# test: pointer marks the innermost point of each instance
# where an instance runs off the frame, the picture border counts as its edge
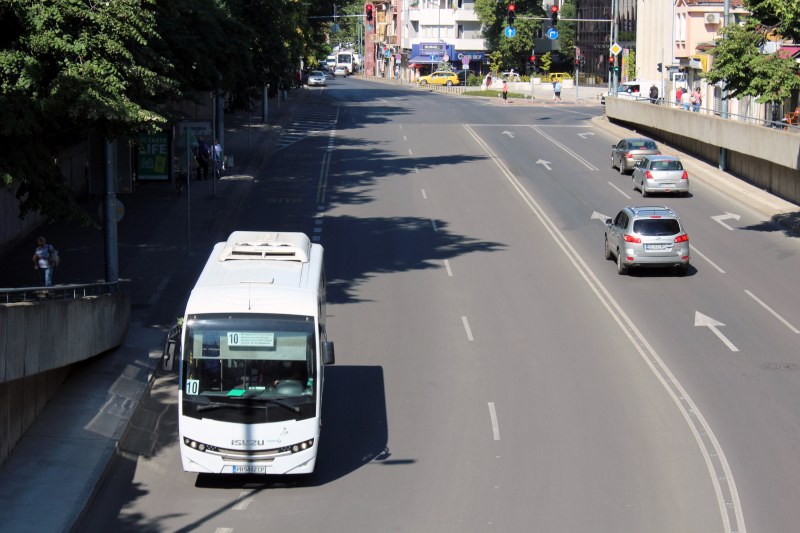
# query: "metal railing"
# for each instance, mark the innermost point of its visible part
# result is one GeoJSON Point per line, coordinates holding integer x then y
{"type": "Point", "coordinates": [56, 292]}
{"type": "Point", "coordinates": [748, 119]}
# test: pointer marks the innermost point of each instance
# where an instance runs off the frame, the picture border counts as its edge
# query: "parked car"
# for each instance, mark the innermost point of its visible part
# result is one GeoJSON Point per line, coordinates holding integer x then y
{"type": "Point", "coordinates": [440, 77]}
{"type": "Point", "coordinates": [510, 77]}
{"type": "Point", "coordinates": [660, 173]}
{"type": "Point", "coordinates": [647, 236]}
{"type": "Point", "coordinates": [627, 152]}
{"type": "Point", "coordinates": [463, 75]}
{"type": "Point", "coordinates": [317, 79]}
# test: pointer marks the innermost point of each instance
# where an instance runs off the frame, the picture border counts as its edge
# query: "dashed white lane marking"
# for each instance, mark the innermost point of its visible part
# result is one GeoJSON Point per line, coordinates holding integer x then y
{"type": "Point", "coordinates": [495, 425]}
{"type": "Point", "coordinates": [701, 254]}
{"type": "Point", "coordinates": [244, 499]}
{"type": "Point", "coordinates": [447, 267]}
{"type": "Point", "coordinates": [435, 227]}
{"type": "Point", "coordinates": [424, 195]}
{"type": "Point", "coordinates": [405, 138]}
{"type": "Point", "coordinates": [466, 327]}
{"type": "Point", "coordinates": [623, 193]}
{"type": "Point", "coordinates": [416, 170]}
{"type": "Point", "coordinates": [773, 312]}
{"type": "Point", "coordinates": [410, 152]}
{"type": "Point", "coordinates": [224, 530]}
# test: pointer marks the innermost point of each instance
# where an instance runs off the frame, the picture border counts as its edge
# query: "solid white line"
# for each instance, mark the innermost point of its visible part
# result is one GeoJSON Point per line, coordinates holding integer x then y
{"type": "Point", "coordinates": [701, 254]}
{"type": "Point", "coordinates": [424, 195]}
{"type": "Point", "coordinates": [731, 512]}
{"type": "Point", "coordinates": [495, 425]}
{"type": "Point", "coordinates": [224, 530]}
{"type": "Point", "coordinates": [244, 499]}
{"type": "Point", "coordinates": [623, 193]}
{"type": "Point", "coordinates": [466, 327]}
{"type": "Point", "coordinates": [775, 314]}
{"type": "Point", "coordinates": [577, 157]}
{"type": "Point", "coordinates": [410, 152]}
{"type": "Point", "coordinates": [447, 267]}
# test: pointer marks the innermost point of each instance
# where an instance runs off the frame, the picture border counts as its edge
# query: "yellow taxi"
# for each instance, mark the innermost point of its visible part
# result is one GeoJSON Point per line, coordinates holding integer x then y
{"type": "Point", "coordinates": [440, 77]}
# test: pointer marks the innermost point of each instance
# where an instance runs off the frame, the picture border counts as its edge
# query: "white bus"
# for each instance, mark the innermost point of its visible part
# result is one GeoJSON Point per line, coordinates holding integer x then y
{"type": "Point", "coordinates": [346, 59]}
{"type": "Point", "coordinates": [252, 356]}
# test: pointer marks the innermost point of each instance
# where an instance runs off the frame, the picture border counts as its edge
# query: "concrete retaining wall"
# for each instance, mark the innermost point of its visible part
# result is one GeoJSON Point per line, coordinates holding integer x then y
{"type": "Point", "coordinates": [765, 157]}
{"type": "Point", "coordinates": [33, 364]}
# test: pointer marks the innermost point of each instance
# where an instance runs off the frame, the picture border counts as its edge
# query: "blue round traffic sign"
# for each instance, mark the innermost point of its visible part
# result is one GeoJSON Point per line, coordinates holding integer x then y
{"type": "Point", "coordinates": [511, 31]}
{"type": "Point", "coordinates": [552, 34]}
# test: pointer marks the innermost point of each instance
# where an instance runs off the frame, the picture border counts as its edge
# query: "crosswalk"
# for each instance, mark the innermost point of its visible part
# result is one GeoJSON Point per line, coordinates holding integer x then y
{"type": "Point", "coordinates": [306, 123]}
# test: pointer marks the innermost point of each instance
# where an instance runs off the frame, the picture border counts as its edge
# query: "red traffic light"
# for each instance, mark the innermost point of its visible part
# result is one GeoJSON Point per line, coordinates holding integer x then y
{"type": "Point", "coordinates": [611, 59]}
{"type": "Point", "coordinates": [369, 12]}
{"type": "Point", "coordinates": [554, 9]}
{"type": "Point", "coordinates": [511, 7]}
{"type": "Point", "coordinates": [533, 59]}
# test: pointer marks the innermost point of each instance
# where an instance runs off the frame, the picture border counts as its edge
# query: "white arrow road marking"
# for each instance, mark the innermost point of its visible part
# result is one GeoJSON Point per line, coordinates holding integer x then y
{"type": "Point", "coordinates": [544, 163]}
{"type": "Point", "coordinates": [600, 216]}
{"type": "Point", "coordinates": [584, 135]}
{"type": "Point", "coordinates": [720, 218]}
{"type": "Point", "coordinates": [509, 134]}
{"type": "Point", "coordinates": [775, 314]}
{"type": "Point", "coordinates": [706, 321]}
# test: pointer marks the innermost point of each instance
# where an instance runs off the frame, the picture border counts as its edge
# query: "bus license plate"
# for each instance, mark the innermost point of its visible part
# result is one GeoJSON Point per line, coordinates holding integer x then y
{"type": "Point", "coordinates": [249, 469]}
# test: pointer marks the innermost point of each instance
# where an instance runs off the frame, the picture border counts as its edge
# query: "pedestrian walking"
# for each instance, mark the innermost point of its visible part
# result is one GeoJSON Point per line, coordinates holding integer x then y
{"type": "Point", "coordinates": [488, 81]}
{"type": "Point", "coordinates": [201, 154]}
{"type": "Point", "coordinates": [686, 100]}
{"type": "Point", "coordinates": [653, 94]}
{"type": "Point", "coordinates": [697, 100]}
{"type": "Point", "coordinates": [216, 158]}
{"type": "Point", "coordinates": [556, 91]}
{"type": "Point", "coordinates": [505, 92]}
{"type": "Point", "coordinates": [678, 94]}
{"type": "Point", "coordinates": [45, 259]}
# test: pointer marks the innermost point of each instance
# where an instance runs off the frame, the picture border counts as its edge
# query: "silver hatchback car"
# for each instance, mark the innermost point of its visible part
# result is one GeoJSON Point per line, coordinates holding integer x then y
{"type": "Point", "coordinates": [317, 78]}
{"type": "Point", "coordinates": [660, 173]}
{"type": "Point", "coordinates": [647, 236]}
{"type": "Point", "coordinates": [627, 152]}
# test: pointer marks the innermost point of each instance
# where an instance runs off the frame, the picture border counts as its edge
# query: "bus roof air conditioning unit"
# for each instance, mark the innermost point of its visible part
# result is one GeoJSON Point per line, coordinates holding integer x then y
{"type": "Point", "coordinates": [712, 18]}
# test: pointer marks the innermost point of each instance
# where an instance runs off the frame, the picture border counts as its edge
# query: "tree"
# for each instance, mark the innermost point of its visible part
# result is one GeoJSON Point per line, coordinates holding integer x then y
{"type": "Point", "coordinates": [739, 60]}
{"type": "Point", "coordinates": [567, 31]}
{"type": "Point", "coordinates": [630, 65]}
{"type": "Point", "coordinates": [493, 17]}
{"type": "Point", "coordinates": [67, 68]}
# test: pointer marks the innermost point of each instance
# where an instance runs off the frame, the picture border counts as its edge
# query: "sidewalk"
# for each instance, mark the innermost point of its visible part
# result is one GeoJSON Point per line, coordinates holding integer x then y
{"type": "Point", "coordinates": [61, 460]}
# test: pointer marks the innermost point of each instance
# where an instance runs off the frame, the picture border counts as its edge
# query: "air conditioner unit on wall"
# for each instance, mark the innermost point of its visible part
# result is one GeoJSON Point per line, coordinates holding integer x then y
{"type": "Point", "coordinates": [712, 18]}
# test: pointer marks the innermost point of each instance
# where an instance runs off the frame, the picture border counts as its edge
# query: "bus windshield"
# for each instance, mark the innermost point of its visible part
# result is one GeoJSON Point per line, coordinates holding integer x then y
{"type": "Point", "coordinates": [249, 368]}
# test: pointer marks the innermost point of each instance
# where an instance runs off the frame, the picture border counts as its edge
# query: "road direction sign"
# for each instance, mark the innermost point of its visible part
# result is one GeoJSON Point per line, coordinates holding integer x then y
{"type": "Point", "coordinates": [511, 31]}
{"type": "Point", "coordinates": [552, 34]}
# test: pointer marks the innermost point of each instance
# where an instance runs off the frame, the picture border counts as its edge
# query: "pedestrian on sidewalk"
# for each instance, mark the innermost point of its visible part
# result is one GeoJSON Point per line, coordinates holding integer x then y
{"type": "Point", "coordinates": [653, 94]}
{"type": "Point", "coordinates": [678, 94]}
{"type": "Point", "coordinates": [216, 158]}
{"type": "Point", "coordinates": [505, 92]}
{"type": "Point", "coordinates": [45, 259]}
{"type": "Point", "coordinates": [556, 91]}
{"type": "Point", "coordinates": [686, 100]}
{"type": "Point", "coordinates": [201, 154]}
{"type": "Point", "coordinates": [697, 100]}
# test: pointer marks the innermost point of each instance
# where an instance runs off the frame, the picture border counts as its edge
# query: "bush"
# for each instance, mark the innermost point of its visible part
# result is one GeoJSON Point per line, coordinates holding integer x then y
{"type": "Point", "coordinates": [474, 80]}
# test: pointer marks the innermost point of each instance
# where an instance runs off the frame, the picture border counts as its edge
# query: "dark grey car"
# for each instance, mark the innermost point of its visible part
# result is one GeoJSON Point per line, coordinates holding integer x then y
{"type": "Point", "coordinates": [647, 236]}
{"type": "Point", "coordinates": [627, 152]}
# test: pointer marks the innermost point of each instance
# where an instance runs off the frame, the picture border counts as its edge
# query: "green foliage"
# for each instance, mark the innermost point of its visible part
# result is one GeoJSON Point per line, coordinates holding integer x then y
{"type": "Point", "coordinates": [73, 67]}
{"type": "Point", "coordinates": [778, 16]}
{"type": "Point", "coordinates": [546, 63]}
{"type": "Point", "coordinates": [739, 63]}
{"type": "Point", "coordinates": [567, 31]}
{"type": "Point", "coordinates": [630, 65]}
{"type": "Point", "coordinates": [495, 61]}
{"type": "Point", "coordinates": [514, 52]}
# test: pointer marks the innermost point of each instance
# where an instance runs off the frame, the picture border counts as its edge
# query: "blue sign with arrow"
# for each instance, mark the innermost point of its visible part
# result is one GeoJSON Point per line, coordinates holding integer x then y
{"type": "Point", "coordinates": [510, 32]}
{"type": "Point", "coordinates": [552, 34]}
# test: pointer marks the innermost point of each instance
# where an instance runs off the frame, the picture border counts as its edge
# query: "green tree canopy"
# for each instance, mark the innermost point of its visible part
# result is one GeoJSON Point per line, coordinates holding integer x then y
{"type": "Point", "coordinates": [739, 60]}
{"type": "Point", "coordinates": [493, 16]}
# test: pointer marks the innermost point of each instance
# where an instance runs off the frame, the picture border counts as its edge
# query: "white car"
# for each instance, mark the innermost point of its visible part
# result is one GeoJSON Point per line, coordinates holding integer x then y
{"type": "Point", "coordinates": [341, 71]}
{"type": "Point", "coordinates": [317, 79]}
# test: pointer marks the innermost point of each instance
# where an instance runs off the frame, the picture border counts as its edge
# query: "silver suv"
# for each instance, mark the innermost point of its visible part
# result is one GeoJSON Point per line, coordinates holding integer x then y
{"type": "Point", "coordinates": [647, 236]}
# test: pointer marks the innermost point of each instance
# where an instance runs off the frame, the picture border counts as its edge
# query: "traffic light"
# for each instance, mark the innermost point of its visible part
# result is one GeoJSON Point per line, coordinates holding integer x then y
{"type": "Point", "coordinates": [582, 62]}
{"type": "Point", "coordinates": [554, 15]}
{"type": "Point", "coordinates": [659, 67]}
{"type": "Point", "coordinates": [369, 12]}
{"type": "Point", "coordinates": [611, 63]}
{"type": "Point", "coordinates": [511, 13]}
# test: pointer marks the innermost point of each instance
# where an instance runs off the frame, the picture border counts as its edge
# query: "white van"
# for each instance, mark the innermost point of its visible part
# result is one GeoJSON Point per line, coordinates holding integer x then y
{"type": "Point", "coordinates": [634, 89]}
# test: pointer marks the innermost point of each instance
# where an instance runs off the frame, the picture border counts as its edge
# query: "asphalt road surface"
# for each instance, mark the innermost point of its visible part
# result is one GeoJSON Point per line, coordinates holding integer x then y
{"type": "Point", "coordinates": [494, 373]}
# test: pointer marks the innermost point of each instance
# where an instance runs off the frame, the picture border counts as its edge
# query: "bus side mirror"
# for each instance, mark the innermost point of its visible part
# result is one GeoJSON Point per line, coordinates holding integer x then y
{"type": "Point", "coordinates": [328, 356]}
{"type": "Point", "coordinates": [172, 348]}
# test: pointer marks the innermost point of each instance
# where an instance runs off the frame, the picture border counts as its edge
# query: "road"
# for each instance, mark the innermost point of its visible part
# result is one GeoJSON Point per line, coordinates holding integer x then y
{"type": "Point", "coordinates": [494, 373]}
